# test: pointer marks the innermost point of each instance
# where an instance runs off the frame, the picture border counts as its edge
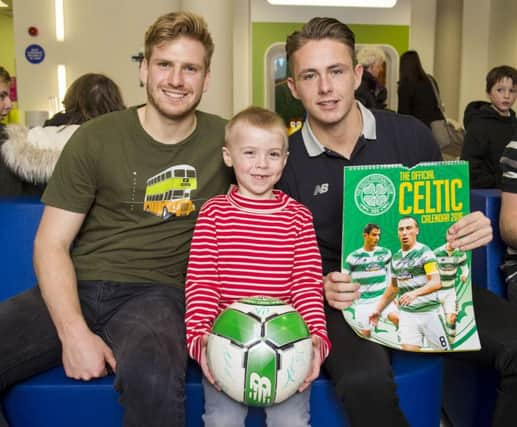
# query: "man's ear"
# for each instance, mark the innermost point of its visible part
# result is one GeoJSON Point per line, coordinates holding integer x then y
{"type": "Point", "coordinates": [206, 81]}
{"type": "Point", "coordinates": [291, 84]}
{"type": "Point", "coordinates": [144, 70]}
{"type": "Point", "coordinates": [358, 72]}
{"type": "Point", "coordinates": [227, 158]}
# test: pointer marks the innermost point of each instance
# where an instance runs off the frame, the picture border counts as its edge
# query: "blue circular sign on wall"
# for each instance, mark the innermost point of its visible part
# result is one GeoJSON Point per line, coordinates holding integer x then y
{"type": "Point", "coordinates": [34, 53]}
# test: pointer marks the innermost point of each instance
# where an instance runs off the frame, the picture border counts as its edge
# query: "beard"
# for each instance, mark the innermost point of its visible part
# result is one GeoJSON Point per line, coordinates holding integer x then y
{"type": "Point", "coordinates": [177, 115]}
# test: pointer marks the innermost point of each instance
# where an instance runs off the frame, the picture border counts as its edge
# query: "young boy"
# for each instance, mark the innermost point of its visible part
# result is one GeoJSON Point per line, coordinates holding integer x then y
{"type": "Point", "coordinates": [255, 240]}
{"type": "Point", "coordinates": [489, 127]}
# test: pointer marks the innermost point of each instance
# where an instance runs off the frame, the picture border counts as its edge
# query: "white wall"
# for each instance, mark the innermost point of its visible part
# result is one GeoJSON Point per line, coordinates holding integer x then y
{"type": "Point", "coordinates": [503, 33]}
{"type": "Point", "coordinates": [421, 31]}
{"type": "Point", "coordinates": [242, 55]}
{"type": "Point", "coordinates": [447, 64]}
{"type": "Point", "coordinates": [101, 36]}
{"type": "Point", "coordinates": [474, 55]}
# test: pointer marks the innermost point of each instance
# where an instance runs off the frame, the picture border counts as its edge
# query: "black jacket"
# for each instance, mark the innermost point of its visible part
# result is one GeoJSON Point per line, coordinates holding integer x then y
{"type": "Point", "coordinates": [418, 99]}
{"type": "Point", "coordinates": [487, 133]}
{"type": "Point", "coordinates": [371, 93]}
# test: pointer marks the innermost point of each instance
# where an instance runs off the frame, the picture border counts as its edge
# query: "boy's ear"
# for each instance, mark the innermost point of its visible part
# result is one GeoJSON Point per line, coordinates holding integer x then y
{"type": "Point", "coordinates": [227, 159]}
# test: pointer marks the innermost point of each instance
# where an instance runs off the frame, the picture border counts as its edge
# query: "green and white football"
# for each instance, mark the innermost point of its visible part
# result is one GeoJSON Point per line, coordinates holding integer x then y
{"type": "Point", "coordinates": [259, 351]}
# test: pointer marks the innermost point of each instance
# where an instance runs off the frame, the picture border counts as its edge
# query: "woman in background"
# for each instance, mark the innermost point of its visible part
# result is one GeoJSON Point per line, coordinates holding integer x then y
{"type": "Point", "coordinates": [28, 156]}
{"type": "Point", "coordinates": [415, 91]}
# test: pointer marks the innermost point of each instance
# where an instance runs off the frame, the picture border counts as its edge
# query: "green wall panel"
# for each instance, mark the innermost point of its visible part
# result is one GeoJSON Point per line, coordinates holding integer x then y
{"type": "Point", "coordinates": [264, 34]}
{"type": "Point", "coordinates": [7, 43]}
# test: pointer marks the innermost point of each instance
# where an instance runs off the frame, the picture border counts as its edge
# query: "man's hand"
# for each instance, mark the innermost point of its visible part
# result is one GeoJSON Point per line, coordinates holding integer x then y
{"type": "Point", "coordinates": [85, 356]}
{"type": "Point", "coordinates": [315, 364]}
{"type": "Point", "coordinates": [470, 232]}
{"type": "Point", "coordinates": [373, 318]}
{"type": "Point", "coordinates": [339, 290]}
{"type": "Point", "coordinates": [407, 298]}
{"type": "Point", "coordinates": [204, 363]}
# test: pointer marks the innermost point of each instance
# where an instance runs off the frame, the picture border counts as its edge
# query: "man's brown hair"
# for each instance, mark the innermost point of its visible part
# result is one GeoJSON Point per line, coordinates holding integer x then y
{"type": "Point", "coordinates": [174, 25]}
{"type": "Point", "coordinates": [319, 29]}
{"type": "Point", "coordinates": [4, 76]}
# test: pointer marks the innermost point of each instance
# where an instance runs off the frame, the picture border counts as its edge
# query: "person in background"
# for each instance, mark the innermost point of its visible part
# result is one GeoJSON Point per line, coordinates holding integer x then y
{"type": "Point", "coordinates": [28, 156]}
{"type": "Point", "coordinates": [340, 131]}
{"type": "Point", "coordinates": [372, 92]}
{"type": "Point", "coordinates": [415, 90]}
{"type": "Point", "coordinates": [109, 258]}
{"type": "Point", "coordinates": [89, 96]}
{"type": "Point", "coordinates": [489, 127]}
{"type": "Point", "coordinates": [5, 100]}
{"type": "Point", "coordinates": [267, 228]}
{"type": "Point", "coordinates": [508, 217]}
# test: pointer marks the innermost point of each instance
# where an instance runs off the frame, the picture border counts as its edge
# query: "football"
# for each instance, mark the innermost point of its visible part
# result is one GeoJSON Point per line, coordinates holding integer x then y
{"type": "Point", "coordinates": [259, 351]}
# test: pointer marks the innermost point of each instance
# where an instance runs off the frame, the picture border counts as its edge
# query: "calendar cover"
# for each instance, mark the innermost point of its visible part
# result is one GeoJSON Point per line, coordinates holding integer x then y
{"type": "Point", "coordinates": [415, 289]}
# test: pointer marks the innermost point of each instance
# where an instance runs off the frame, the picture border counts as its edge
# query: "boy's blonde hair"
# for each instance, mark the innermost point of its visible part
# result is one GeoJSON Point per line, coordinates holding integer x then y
{"type": "Point", "coordinates": [260, 118]}
{"type": "Point", "coordinates": [174, 25]}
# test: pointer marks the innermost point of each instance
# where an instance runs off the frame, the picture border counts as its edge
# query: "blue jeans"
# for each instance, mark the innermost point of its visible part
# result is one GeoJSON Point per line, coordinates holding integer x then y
{"type": "Point", "coordinates": [223, 411]}
{"type": "Point", "coordinates": [142, 323]}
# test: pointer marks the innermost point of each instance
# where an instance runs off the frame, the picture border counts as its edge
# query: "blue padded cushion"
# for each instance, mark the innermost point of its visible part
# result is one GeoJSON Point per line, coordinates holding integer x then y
{"type": "Point", "coordinates": [53, 400]}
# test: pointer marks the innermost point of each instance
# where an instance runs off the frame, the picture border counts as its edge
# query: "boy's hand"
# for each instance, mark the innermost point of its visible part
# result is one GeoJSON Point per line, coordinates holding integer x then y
{"type": "Point", "coordinates": [315, 364]}
{"type": "Point", "coordinates": [204, 363]}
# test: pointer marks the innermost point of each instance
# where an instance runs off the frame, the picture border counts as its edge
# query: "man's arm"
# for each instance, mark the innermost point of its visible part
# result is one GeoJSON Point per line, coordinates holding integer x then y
{"type": "Point", "coordinates": [389, 295]}
{"type": "Point", "coordinates": [508, 219]}
{"type": "Point", "coordinates": [84, 353]}
{"type": "Point", "coordinates": [432, 285]}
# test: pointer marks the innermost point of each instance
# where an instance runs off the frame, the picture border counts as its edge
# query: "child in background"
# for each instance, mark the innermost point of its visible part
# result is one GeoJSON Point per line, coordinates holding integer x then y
{"type": "Point", "coordinates": [5, 100]}
{"type": "Point", "coordinates": [255, 240]}
{"type": "Point", "coordinates": [489, 127]}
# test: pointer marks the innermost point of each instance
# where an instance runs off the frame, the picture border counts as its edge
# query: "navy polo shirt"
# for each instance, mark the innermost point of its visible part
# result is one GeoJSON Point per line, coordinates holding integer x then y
{"type": "Point", "coordinates": [313, 174]}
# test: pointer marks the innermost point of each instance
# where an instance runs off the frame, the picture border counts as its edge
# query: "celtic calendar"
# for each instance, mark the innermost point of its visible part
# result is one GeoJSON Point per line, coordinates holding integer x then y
{"type": "Point", "coordinates": [415, 286]}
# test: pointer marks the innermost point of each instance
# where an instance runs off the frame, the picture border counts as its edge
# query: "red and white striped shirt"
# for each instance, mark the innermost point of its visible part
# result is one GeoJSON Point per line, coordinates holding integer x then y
{"type": "Point", "coordinates": [244, 247]}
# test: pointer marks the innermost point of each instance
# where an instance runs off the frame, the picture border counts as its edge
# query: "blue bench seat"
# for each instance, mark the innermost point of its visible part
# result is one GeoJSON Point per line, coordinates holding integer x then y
{"type": "Point", "coordinates": [51, 399]}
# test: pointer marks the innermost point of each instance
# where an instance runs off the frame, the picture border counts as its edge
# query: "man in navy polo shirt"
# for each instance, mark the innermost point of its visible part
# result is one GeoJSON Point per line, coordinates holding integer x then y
{"type": "Point", "coordinates": [339, 131]}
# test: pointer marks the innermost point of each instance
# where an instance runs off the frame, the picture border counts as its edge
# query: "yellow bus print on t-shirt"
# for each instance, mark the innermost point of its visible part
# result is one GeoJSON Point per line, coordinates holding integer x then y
{"type": "Point", "coordinates": [168, 192]}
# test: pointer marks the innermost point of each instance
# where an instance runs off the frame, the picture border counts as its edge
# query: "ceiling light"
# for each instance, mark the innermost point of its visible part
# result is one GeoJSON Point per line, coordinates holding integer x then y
{"type": "Point", "coordinates": [342, 3]}
{"type": "Point", "coordinates": [2, 4]}
{"type": "Point", "coordinates": [60, 20]}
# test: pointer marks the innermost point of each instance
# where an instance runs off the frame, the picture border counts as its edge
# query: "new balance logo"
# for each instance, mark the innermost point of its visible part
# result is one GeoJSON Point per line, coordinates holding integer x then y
{"type": "Point", "coordinates": [321, 189]}
{"type": "Point", "coordinates": [260, 388]}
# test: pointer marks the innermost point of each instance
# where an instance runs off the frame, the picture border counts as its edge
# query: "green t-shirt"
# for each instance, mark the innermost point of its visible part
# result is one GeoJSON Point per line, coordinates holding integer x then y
{"type": "Point", "coordinates": [141, 197]}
